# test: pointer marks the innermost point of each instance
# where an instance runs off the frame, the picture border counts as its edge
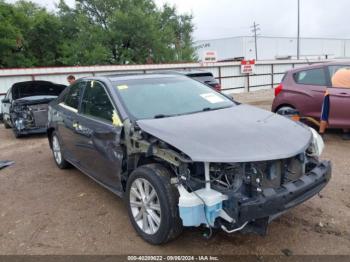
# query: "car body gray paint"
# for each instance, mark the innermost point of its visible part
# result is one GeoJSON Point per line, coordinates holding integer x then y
{"type": "Point", "coordinates": [237, 134]}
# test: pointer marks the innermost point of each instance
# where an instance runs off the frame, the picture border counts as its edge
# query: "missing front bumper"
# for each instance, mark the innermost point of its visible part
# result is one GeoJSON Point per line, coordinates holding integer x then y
{"type": "Point", "coordinates": [271, 203]}
{"type": "Point", "coordinates": [274, 201]}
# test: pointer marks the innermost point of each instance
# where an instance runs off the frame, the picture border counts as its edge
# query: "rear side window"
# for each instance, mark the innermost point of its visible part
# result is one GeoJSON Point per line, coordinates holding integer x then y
{"type": "Point", "coordinates": [73, 95]}
{"type": "Point", "coordinates": [311, 77]}
{"type": "Point", "coordinates": [96, 102]}
{"type": "Point", "coordinates": [62, 97]}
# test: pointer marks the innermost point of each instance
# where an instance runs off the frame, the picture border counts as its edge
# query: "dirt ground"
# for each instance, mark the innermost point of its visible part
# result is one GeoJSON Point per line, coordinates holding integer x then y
{"type": "Point", "coordinates": [44, 210]}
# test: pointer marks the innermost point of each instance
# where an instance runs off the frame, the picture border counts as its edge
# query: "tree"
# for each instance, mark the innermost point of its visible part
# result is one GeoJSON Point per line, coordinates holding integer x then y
{"type": "Point", "coordinates": [82, 43]}
{"type": "Point", "coordinates": [135, 30]}
{"type": "Point", "coordinates": [94, 32]}
{"type": "Point", "coordinates": [11, 38]}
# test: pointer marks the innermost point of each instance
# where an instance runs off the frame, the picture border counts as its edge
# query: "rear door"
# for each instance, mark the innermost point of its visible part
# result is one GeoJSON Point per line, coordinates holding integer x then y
{"type": "Point", "coordinates": [100, 151]}
{"type": "Point", "coordinates": [69, 115]}
{"type": "Point", "coordinates": [339, 116]}
{"type": "Point", "coordinates": [311, 85]}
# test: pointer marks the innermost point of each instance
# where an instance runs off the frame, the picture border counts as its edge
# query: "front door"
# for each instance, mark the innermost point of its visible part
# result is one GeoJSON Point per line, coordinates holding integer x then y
{"type": "Point", "coordinates": [101, 154]}
{"type": "Point", "coordinates": [339, 115]}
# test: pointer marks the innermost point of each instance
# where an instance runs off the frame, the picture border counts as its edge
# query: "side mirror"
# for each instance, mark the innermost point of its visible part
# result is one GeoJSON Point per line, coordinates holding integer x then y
{"type": "Point", "coordinates": [5, 101]}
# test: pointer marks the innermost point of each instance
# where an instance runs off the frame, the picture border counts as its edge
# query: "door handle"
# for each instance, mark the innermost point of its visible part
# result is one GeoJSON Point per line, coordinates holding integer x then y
{"type": "Point", "coordinates": [82, 130]}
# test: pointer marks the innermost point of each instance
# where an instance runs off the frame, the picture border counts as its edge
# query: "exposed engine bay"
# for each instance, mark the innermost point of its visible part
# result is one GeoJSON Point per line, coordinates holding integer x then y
{"type": "Point", "coordinates": [244, 196]}
{"type": "Point", "coordinates": [28, 111]}
{"type": "Point", "coordinates": [30, 116]}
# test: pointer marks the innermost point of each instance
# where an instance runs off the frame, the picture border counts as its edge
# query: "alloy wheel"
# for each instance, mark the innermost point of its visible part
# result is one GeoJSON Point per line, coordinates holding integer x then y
{"type": "Point", "coordinates": [145, 206]}
{"type": "Point", "coordinates": [56, 150]}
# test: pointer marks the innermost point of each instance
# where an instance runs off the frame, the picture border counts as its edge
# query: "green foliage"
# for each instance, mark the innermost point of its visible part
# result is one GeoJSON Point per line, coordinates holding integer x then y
{"type": "Point", "coordinates": [94, 32]}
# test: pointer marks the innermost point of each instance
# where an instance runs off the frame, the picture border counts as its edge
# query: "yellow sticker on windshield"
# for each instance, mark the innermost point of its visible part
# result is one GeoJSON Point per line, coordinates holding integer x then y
{"type": "Point", "coordinates": [92, 84]}
{"type": "Point", "coordinates": [116, 120]}
{"type": "Point", "coordinates": [123, 87]}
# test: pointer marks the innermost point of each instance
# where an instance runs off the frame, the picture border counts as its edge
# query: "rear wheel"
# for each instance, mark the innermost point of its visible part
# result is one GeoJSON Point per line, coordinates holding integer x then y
{"type": "Point", "coordinates": [152, 204]}
{"type": "Point", "coordinates": [57, 152]}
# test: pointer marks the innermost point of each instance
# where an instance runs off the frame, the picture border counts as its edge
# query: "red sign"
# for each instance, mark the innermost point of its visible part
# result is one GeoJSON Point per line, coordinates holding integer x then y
{"type": "Point", "coordinates": [209, 57]}
{"type": "Point", "coordinates": [248, 66]}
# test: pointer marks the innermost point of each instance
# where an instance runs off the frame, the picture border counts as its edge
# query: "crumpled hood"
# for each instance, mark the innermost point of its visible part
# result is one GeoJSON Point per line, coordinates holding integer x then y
{"type": "Point", "coordinates": [238, 134]}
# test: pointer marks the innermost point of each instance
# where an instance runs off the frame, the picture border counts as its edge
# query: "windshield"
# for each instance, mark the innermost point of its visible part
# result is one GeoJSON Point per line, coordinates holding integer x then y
{"type": "Point", "coordinates": [168, 96]}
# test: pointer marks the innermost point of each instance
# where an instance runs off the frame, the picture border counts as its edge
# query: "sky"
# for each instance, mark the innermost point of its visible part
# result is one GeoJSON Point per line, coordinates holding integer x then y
{"type": "Point", "coordinates": [226, 18]}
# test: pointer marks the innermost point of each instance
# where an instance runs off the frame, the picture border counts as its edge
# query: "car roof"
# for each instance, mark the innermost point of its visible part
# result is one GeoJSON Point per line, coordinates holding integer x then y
{"type": "Point", "coordinates": [343, 62]}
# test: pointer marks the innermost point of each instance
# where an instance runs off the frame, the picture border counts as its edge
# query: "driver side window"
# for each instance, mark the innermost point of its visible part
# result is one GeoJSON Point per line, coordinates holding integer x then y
{"type": "Point", "coordinates": [96, 102]}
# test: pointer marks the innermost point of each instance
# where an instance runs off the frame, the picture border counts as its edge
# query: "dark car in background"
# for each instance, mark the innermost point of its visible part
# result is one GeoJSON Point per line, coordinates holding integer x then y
{"type": "Point", "coordinates": [25, 106]}
{"type": "Point", "coordinates": [303, 90]}
{"type": "Point", "coordinates": [182, 154]}
{"type": "Point", "coordinates": [204, 77]}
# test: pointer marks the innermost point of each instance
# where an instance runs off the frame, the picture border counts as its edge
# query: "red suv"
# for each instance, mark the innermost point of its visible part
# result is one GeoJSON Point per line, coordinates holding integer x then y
{"type": "Point", "coordinates": [303, 90]}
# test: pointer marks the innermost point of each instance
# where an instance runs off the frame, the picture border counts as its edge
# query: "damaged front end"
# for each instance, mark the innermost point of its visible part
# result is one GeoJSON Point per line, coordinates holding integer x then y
{"type": "Point", "coordinates": [244, 196]}
{"type": "Point", "coordinates": [247, 196]}
{"type": "Point", "coordinates": [29, 117]}
{"type": "Point", "coordinates": [29, 106]}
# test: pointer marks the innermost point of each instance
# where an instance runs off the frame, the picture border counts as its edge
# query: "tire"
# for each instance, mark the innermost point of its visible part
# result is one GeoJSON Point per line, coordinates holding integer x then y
{"type": "Point", "coordinates": [6, 125]}
{"type": "Point", "coordinates": [284, 109]}
{"type": "Point", "coordinates": [164, 203]}
{"type": "Point", "coordinates": [57, 152]}
{"type": "Point", "coordinates": [16, 133]}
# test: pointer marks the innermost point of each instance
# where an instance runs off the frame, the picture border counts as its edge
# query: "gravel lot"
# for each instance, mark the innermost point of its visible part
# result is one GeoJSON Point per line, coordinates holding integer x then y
{"type": "Point", "coordinates": [44, 210]}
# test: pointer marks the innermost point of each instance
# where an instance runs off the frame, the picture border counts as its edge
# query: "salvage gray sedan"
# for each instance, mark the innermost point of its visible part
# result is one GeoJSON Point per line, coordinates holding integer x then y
{"type": "Point", "coordinates": [181, 154]}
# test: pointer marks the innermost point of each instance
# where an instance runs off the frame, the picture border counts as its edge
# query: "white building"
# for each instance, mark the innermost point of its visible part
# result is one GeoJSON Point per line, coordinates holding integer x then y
{"type": "Point", "coordinates": [270, 48]}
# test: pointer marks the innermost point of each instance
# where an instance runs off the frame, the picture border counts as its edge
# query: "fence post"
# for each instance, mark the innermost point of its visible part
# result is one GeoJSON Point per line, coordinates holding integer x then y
{"type": "Point", "coordinates": [246, 83]}
{"type": "Point", "coordinates": [272, 76]}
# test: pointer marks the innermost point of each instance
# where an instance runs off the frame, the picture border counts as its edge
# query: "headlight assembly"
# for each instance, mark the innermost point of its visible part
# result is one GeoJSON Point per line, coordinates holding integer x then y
{"type": "Point", "coordinates": [317, 145]}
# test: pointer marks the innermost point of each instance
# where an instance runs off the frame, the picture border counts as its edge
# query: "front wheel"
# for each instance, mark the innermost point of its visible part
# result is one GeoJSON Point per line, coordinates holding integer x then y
{"type": "Point", "coordinates": [152, 204]}
{"type": "Point", "coordinates": [6, 125]}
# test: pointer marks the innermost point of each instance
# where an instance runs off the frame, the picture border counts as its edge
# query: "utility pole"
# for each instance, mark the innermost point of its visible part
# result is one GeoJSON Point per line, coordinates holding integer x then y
{"type": "Point", "coordinates": [255, 29]}
{"type": "Point", "coordinates": [298, 40]}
